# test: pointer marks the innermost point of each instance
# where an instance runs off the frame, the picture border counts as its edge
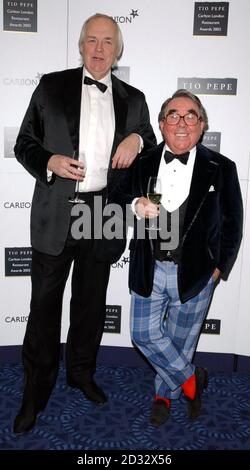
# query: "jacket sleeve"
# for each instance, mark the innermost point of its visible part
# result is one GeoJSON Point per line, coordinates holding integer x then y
{"type": "Point", "coordinates": [127, 186]}
{"type": "Point", "coordinates": [29, 149]}
{"type": "Point", "coordinates": [231, 218]}
{"type": "Point", "coordinates": [145, 128]}
{"type": "Point", "coordinates": [138, 119]}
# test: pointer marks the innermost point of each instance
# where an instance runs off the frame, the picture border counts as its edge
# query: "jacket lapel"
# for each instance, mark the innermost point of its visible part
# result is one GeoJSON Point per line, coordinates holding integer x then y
{"type": "Point", "coordinates": [72, 103]}
{"type": "Point", "coordinates": [203, 175]}
{"type": "Point", "coordinates": [149, 166]}
{"type": "Point", "coordinates": [120, 110]}
{"type": "Point", "coordinates": [72, 106]}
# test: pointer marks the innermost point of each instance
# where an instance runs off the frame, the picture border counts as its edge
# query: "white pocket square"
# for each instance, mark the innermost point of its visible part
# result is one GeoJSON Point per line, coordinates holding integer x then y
{"type": "Point", "coordinates": [211, 188]}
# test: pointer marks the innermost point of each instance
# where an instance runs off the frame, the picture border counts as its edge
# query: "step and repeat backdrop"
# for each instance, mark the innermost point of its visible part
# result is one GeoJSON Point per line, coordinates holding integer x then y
{"type": "Point", "coordinates": [169, 44]}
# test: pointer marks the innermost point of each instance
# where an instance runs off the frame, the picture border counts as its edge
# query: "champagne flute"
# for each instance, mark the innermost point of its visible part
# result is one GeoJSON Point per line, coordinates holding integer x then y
{"type": "Point", "coordinates": [76, 199]}
{"type": "Point", "coordinates": [154, 195]}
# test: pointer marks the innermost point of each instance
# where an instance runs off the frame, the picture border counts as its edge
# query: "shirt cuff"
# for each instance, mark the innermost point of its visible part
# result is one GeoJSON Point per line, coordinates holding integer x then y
{"type": "Point", "coordinates": [141, 145]}
{"type": "Point", "coordinates": [133, 203]}
{"type": "Point", "coordinates": [49, 175]}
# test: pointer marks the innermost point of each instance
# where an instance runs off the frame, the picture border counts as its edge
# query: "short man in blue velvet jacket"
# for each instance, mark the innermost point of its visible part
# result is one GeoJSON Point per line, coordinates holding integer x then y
{"type": "Point", "coordinates": [172, 285]}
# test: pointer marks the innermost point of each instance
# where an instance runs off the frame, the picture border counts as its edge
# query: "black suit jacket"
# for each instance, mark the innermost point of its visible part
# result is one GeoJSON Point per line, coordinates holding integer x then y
{"type": "Point", "coordinates": [212, 226]}
{"type": "Point", "coordinates": [51, 126]}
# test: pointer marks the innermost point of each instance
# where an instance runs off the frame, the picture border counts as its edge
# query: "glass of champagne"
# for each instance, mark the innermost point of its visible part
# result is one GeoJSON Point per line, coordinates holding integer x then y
{"type": "Point", "coordinates": [154, 196]}
{"type": "Point", "coordinates": [76, 199]}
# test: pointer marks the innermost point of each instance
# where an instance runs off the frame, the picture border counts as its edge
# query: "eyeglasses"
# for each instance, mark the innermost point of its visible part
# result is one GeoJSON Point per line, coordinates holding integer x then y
{"type": "Point", "coordinates": [191, 119]}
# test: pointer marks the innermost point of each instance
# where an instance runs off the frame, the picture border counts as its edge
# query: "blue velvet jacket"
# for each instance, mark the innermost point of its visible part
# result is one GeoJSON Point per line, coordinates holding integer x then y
{"type": "Point", "coordinates": [212, 229]}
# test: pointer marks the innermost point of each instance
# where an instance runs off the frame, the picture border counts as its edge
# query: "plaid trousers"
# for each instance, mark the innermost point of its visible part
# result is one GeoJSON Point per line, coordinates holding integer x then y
{"type": "Point", "coordinates": [167, 331]}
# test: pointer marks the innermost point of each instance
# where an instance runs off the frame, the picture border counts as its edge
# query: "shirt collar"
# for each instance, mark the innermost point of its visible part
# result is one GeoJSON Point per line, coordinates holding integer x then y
{"type": "Point", "coordinates": [106, 80]}
{"type": "Point", "coordinates": [192, 152]}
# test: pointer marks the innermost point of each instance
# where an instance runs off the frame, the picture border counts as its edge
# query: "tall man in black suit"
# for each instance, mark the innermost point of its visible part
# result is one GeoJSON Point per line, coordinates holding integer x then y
{"type": "Point", "coordinates": [90, 111]}
{"type": "Point", "coordinates": [172, 271]}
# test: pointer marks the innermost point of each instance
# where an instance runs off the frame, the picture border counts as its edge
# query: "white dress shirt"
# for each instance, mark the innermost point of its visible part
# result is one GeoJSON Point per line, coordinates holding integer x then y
{"type": "Point", "coordinates": [175, 180]}
{"type": "Point", "coordinates": [96, 133]}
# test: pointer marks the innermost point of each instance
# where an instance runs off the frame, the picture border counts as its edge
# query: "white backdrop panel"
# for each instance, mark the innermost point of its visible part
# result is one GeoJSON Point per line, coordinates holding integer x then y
{"type": "Point", "coordinates": [242, 341]}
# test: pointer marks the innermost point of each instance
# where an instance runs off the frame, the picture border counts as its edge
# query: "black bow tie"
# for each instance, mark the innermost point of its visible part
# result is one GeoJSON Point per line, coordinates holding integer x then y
{"type": "Point", "coordinates": [169, 156]}
{"type": "Point", "coordinates": [89, 81]}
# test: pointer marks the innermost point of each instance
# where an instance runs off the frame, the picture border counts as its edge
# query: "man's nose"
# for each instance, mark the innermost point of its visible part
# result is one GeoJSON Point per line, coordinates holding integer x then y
{"type": "Point", "coordinates": [99, 46]}
{"type": "Point", "coordinates": [182, 122]}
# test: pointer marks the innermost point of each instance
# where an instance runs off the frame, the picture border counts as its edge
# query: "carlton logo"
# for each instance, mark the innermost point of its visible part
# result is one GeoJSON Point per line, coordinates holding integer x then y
{"type": "Point", "coordinates": [25, 81]}
{"type": "Point", "coordinates": [17, 205]}
{"type": "Point", "coordinates": [17, 319]}
{"type": "Point", "coordinates": [121, 263]}
{"type": "Point", "coordinates": [126, 19]}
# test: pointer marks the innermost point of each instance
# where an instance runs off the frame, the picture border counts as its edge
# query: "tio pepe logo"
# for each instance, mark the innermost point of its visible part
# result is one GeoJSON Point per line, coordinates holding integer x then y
{"type": "Point", "coordinates": [209, 86]}
{"type": "Point", "coordinates": [211, 327]}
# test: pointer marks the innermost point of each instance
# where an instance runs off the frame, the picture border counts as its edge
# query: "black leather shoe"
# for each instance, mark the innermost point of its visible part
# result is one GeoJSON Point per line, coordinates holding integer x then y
{"type": "Point", "coordinates": [91, 391]}
{"type": "Point", "coordinates": [159, 414]}
{"type": "Point", "coordinates": [194, 406]}
{"type": "Point", "coordinates": [25, 420]}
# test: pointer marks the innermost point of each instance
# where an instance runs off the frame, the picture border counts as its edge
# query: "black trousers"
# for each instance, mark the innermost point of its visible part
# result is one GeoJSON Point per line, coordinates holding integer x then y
{"type": "Point", "coordinates": [41, 347]}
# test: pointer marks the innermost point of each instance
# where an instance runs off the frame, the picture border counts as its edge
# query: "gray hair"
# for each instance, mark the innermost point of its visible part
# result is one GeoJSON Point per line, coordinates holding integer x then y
{"type": "Point", "coordinates": [185, 94]}
{"type": "Point", "coordinates": [120, 43]}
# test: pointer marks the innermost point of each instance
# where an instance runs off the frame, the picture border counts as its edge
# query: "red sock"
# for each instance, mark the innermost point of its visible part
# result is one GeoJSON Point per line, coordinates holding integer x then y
{"type": "Point", "coordinates": [166, 400]}
{"type": "Point", "coordinates": [189, 387]}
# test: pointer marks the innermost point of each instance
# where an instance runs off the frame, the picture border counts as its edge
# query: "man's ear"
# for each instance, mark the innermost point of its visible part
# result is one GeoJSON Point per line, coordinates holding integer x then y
{"type": "Point", "coordinates": [202, 126]}
{"type": "Point", "coordinates": [161, 124]}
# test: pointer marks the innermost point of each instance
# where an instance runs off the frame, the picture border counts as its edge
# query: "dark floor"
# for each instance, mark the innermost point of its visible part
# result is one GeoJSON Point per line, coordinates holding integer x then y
{"type": "Point", "coordinates": [70, 422]}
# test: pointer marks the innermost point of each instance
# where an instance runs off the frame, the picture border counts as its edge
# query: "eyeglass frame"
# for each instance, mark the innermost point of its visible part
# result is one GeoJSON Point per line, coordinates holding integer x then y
{"type": "Point", "coordinates": [182, 117]}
